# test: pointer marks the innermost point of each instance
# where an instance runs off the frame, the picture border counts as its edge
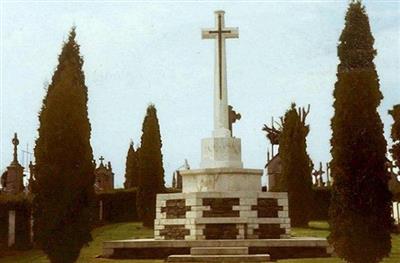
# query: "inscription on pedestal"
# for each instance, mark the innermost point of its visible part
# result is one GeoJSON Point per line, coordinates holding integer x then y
{"type": "Point", "coordinates": [174, 232]}
{"type": "Point", "coordinates": [220, 231]}
{"type": "Point", "coordinates": [267, 207]}
{"type": "Point", "coordinates": [272, 231]}
{"type": "Point", "coordinates": [175, 208]}
{"type": "Point", "coordinates": [221, 207]}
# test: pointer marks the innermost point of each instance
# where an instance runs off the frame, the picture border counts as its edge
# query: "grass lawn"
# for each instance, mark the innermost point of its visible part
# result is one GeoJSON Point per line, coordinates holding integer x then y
{"type": "Point", "coordinates": [89, 253]}
{"type": "Point", "coordinates": [321, 229]}
{"type": "Point", "coordinates": [135, 230]}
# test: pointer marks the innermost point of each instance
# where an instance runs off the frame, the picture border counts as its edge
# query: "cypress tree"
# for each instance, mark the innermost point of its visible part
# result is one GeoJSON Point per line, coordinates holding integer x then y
{"type": "Point", "coordinates": [296, 165]}
{"type": "Point", "coordinates": [395, 134]}
{"type": "Point", "coordinates": [63, 189]}
{"type": "Point", "coordinates": [394, 186]}
{"type": "Point", "coordinates": [361, 202]}
{"type": "Point", "coordinates": [132, 168]}
{"type": "Point", "coordinates": [151, 171]}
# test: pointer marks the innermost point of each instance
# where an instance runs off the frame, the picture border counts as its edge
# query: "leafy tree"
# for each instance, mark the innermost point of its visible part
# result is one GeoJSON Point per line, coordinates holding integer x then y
{"type": "Point", "coordinates": [361, 202]}
{"type": "Point", "coordinates": [151, 171]}
{"type": "Point", "coordinates": [296, 165]}
{"type": "Point", "coordinates": [63, 189]}
{"type": "Point", "coordinates": [132, 168]}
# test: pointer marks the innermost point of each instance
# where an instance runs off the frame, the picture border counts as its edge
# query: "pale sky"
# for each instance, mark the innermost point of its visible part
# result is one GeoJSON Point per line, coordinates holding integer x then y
{"type": "Point", "coordinates": [136, 53]}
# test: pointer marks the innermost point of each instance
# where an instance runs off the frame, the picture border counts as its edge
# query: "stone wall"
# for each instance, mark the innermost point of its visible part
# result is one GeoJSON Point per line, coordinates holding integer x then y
{"type": "Point", "coordinates": [222, 215]}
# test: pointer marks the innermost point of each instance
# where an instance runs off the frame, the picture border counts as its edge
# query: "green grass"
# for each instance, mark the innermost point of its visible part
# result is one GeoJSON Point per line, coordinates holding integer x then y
{"type": "Point", "coordinates": [315, 229]}
{"type": "Point", "coordinates": [89, 253]}
{"type": "Point", "coordinates": [321, 229]}
{"type": "Point", "coordinates": [135, 230]}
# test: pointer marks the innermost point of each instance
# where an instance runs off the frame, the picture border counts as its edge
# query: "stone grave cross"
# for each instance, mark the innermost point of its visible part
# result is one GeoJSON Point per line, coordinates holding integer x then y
{"type": "Point", "coordinates": [220, 33]}
{"type": "Point", "coordinates": [15, 142]}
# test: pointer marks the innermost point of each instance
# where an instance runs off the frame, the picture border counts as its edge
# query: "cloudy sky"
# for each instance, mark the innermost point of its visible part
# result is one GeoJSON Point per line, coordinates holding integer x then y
{"type": "Point", "coordinates": [138, 53]}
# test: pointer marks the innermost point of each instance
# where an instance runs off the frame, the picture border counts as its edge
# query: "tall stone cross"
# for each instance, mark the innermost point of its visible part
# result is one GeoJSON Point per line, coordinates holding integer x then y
{"type": "Point", "coordinates": [220, 33]}
{"type": "Point", "coordinates": [15, 142]}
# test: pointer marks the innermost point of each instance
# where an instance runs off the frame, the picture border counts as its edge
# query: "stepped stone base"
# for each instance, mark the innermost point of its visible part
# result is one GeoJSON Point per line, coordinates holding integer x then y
{"type": "Point", "coordinates": [219, 251]}
{"type": "Point", "coordinates": [219, 258]}
{"type": "Point", "coordinates": [222, 215]}
{"type": "Point", "coordinates": [219, 254]}
{"type": "Point", "coordinates": [161, 249]}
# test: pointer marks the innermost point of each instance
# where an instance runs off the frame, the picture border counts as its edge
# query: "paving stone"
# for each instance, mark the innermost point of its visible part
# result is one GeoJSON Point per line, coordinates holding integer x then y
{"type": "Point", "coordinates": [219, 258]}
{"type": "Point", "coordinates": [219, 251]}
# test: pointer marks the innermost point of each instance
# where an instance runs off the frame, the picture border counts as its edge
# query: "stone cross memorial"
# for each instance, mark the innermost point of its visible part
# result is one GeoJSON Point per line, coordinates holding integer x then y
{"type": "Point", "coordinates": [222, 215]}
{"type": "Point", "coordinates": [220, 33]}
{"type": "Point", "coordinates": [221, 200]}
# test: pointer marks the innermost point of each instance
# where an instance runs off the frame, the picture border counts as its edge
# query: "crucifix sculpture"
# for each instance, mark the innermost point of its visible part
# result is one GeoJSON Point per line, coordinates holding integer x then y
{"type": "Point", "coordinates": [220, 33]}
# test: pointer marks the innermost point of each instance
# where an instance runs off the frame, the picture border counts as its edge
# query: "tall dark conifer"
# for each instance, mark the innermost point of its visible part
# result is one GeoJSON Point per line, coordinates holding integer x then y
{"type": "Point", "coordinates": [296, 165]}
{"type": "Point", "coordinates": [395, 134]}
{"type": "Point", "coordinates": [394, 186]}
{"type": "Point", "coordinates": [64, 170]}
{"type": "Point", "coordinates": [361, 202]}
{"type": "Point", "coordinates": [151, 171]}
{"type": "Point", "coordinates": [132, 168]}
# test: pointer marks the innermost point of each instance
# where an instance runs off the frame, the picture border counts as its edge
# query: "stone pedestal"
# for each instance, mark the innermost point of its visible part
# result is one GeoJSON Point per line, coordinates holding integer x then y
{"type": "Point", "coordinates": [14, 179]}
{"type": "Point", "coordinates": [221, 180]}
{"type": "Point", "coordinates": [222, 215]}
{"type": "Point", "coordinates": [220, 152]}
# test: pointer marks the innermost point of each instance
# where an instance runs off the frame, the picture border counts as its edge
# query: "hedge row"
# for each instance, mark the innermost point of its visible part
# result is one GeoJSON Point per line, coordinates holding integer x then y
{"type": "Point", "coordinates": [118, 205]}
{"type": "Point", "coordinates": [321, 202]}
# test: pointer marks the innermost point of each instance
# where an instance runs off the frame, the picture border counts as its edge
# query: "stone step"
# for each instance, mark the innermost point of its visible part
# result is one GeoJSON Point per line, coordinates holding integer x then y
{"type": "Point", "coordinates": [219, 258]}
{"type": "Point", "coordinates": [219, 251]}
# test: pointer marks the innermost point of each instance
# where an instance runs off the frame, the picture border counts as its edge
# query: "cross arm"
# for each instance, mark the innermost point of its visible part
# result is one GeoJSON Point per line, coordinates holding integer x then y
{"type": "Point", "coordinates": [229, 32]}
{"type": "Point", "coordinates": [207, 33]}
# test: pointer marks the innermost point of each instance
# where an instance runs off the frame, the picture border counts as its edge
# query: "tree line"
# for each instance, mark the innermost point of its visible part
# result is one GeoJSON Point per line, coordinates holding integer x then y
{"type": "Point", "coordinates": [361, 203]}
{"type": "Point", "coordinates": [64, 178]}
{"type": "Point", "coordinates": [360, 217]}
